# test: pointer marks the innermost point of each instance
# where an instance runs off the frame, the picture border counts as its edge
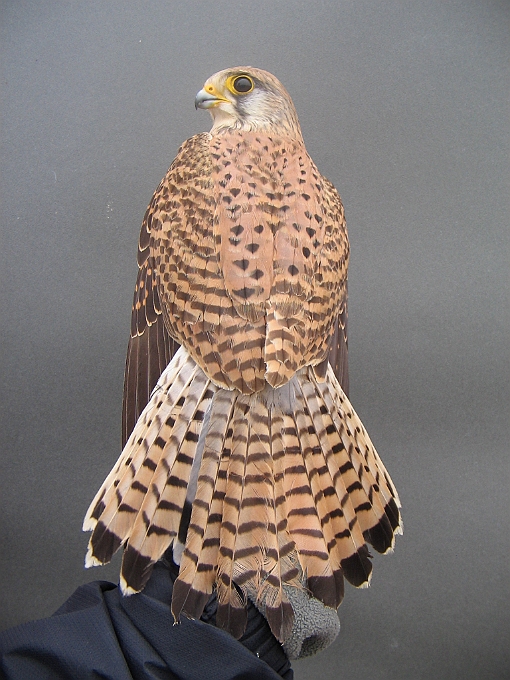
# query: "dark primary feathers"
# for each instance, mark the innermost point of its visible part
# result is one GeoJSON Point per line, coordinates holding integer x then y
{"type": "Point", "coordinates": [248, 452]}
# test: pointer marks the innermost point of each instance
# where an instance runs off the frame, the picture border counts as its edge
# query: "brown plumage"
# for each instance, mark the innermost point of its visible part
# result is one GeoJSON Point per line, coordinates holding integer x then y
{"type": "Point", "coordinates": [248, 452]}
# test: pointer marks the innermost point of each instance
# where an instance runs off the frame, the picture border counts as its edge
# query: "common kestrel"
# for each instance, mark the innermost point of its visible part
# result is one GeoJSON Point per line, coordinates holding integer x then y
{"type": "Point", "coordinates": [243, 451]}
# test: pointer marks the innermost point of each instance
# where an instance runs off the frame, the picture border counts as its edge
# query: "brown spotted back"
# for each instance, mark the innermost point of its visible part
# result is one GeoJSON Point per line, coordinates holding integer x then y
{"type": "Point", "coordinates": [265, 202]}
{"type": "Point", "coordinates": [253, 280]}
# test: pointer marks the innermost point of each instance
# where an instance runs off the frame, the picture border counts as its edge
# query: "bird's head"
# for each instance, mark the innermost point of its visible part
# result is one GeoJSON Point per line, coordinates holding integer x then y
{"type": "Point", "coordinates": [246, 98]}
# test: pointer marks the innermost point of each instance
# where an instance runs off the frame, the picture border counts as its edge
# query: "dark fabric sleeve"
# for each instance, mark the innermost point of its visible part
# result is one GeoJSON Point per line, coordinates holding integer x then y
{"type": "Point", "coordinates": [98, 633]}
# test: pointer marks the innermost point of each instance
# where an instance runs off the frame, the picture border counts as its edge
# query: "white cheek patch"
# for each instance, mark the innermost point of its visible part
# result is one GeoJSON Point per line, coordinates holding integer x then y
{"type": "Point", "coordinates": [259, 106]}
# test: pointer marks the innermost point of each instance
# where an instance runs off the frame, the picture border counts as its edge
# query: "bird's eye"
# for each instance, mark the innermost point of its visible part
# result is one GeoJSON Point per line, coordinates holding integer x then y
{"type": "Point", "coordinates": [241, 84]}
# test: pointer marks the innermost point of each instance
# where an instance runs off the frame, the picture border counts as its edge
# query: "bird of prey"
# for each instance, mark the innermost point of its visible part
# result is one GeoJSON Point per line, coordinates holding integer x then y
{"type": "Point", "coordinates": [242, 450]}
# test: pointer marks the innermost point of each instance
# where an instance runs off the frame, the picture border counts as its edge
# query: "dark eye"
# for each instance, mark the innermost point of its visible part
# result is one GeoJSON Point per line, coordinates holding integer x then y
{"type": "Point", "coordinates": [243, 84]}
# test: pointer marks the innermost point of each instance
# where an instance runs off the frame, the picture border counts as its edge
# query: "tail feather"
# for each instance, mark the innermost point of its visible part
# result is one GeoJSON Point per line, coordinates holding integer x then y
{"type": "Point", "coordinates": [291, 573]}
{"type": "Point", "coordinates": [128, 464]}
{"type": "Point", "coordinates": [134, 453]}
{"type": "Point", "coordinates": [262, 494]}
{"type": "Point", "coordinates": [198, 567]}
{"type": "Point", "coordinates": [113, 512]}
{"type": "Point", "coordinates": [231, 614]}
{"type": "Point", "coordinates": [359, 500]}
{"type": "Point", "coordinates": [303, 516]}
{"type": "Point", "coordinates": [339, 539]}
{"type": "Point", "coordinates": [384, 522]}
{"type": "Point", "coordinates": [202, 573]}
{"type": "Point", "coordinates": [354, 559]}
{"type": "Point", "coordinates": [158, 519]}
{"type": "Point", "coordinates": [284, 485]}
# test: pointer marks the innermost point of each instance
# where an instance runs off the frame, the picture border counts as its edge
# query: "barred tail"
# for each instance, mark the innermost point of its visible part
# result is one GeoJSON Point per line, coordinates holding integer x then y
{"type": "Point", "coordinates": [285, 488]}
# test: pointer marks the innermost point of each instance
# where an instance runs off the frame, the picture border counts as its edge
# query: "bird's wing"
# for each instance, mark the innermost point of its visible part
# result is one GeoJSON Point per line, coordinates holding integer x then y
{"type": "Point", "coordinates": [150, 346]}
{"type": "Point", "coordinates": [338, 358]}
{"type": "Point", "coordinates": [332, 310]}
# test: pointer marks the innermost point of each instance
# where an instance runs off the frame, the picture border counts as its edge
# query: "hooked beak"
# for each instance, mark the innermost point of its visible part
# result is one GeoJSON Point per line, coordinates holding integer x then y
{"type": "Point", "coordinates": [207, 98]}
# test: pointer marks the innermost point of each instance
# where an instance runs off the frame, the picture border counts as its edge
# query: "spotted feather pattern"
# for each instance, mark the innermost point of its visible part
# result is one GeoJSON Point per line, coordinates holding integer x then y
{"type": "Point", "coordinates": [253, 293]}
{"type": "Point", "coordinates": [245, 456]}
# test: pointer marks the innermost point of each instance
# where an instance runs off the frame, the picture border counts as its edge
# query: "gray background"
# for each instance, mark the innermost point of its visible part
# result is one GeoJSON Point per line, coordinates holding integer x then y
{"type": "Point", "coordinates": [403, 107]}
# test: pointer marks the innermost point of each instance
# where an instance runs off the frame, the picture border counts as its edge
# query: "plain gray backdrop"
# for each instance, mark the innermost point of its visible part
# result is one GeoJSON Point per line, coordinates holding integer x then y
{"type": "Point", "coordinates": [403, 106]}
